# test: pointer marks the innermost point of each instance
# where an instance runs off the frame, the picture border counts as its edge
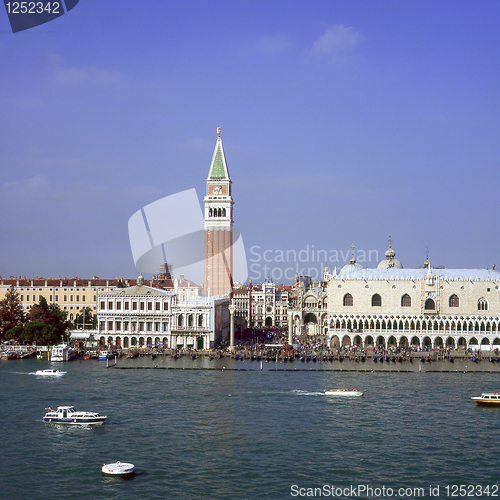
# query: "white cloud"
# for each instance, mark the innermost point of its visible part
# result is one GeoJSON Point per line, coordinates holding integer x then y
{"type": "Point", "coordinates": [336, 41]}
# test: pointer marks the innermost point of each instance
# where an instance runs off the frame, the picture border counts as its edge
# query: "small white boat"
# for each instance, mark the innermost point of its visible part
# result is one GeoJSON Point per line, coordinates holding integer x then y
{"type": "Point", "coordinates": [118, 469]}
{"type": "Point", "coordinates": [50, 373]}
{"type": "Point", "coordinates": [343, 392]}
{"type": "Point", "coordinates": [488, 399]}
{"type": "Point", "coordinates": [68, 415]}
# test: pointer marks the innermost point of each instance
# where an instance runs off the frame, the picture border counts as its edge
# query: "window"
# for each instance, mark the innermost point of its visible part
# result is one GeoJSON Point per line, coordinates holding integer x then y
{"type": "Point", "coordinates": [157, 306]}
{"type": "Point", "coordinates": [134, 306]}
{"type": "Point", "coordinates": [83, 298]}
{"type": "Point", "coordinates": [157, 327]}
{"type": "Point", "coordinates": [101, 325]}
{"type": "Point", "coordinates": [110, 325]}
{"type": "Point", "coordinates": [482, 304]}
{"type": "Point", "coordinates": [429, 305]}
{"type": "Point", "coordinates": [71, 298]}
{"type": "Point", "coordinates": [406, 300]}
{"type": "Point", "coordinates": [165, 306]}
{"type": "Point", "coordinates": [103, 305]}
{"type": "Point", "coordinates": [126, 306]}
{"type": "Point", "coordinates": [118, 325]}
{"type": "Point", "coordinates": [65, 298]}
{"type": "Point", "coordinates": [141, 306]}
{"type": "Point", "coordinates": [78, 298]}
{"type": "Point", "coordinates": [110, 306]}
{"type": "Point", "coordinates": [376, 300]}
{"type": "Point", "coordinates": [141, 326]}
{"type": "Point", "coordinates": [57, 298]}
{"type": "Point", "coordinates": [125, 325]}
{"type": "Point", "coordinates": [149, 326]}
{"type": "Point", "coordinates": [454, 301]}
{"type": "Point", "coordinates": [348, 301]}
{"type": "Point", "coordinates": [150, 306]}
{"type": "Point", "coordinates": [118, 306]}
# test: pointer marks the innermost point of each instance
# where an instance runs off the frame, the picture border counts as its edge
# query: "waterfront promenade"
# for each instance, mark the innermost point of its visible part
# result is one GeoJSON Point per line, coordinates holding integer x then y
{"type": "Point", "coordinates": [304, 358]}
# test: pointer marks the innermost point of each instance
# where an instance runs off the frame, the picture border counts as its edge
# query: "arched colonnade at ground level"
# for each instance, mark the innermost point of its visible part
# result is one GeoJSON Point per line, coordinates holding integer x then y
{"type": "Point", "coordinates": [201, 341]}
{"type": "Point", "coordinates": [421, 331]}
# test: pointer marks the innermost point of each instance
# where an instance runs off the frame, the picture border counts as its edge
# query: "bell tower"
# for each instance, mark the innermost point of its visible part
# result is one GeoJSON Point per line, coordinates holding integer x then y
{"type": "Point", "coordinates": [218, 255]}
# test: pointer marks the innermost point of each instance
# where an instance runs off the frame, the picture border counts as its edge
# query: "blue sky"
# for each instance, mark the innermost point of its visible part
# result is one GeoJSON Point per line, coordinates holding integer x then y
{"type": "Point", "coordinates": [341, 121]}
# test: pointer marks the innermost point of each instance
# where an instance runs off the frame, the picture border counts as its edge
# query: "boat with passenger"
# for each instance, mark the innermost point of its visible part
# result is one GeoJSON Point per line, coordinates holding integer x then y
{"type": "Point", "coordinates": [50, 373]}
{"type": "Point", "coordinates": [118, 469]}
{"type": "Point", "coordinates": [343, 392]}
{"type": "Point", "coordinates": [488, 399]}
{"type": "Point", "coordinates": [68, 415]}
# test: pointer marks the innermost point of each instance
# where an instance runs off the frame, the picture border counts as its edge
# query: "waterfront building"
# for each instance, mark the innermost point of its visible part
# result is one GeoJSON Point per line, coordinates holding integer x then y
{"type": "Point", "coordinates": [262, 305]}
{"type": "Point", "coordinates": [75, 294]}
{"type": "Point", "coordinates": [308, 311]}
{"type": "Point", "coordinates": [142, 315]}
{"type": "Point", "coordinates": [72, 295]}
{"type": "Point", "coordinates": [427, 307]}
{"type": "Point", "coordinates": [218, 251]}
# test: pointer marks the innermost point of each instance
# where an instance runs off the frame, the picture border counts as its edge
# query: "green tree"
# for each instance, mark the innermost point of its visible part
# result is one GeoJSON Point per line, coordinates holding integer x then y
{"type": "Point", "coordinates": [11, 312]}
{"type": "Point", "coordinates": [86, 320]}
{"type": "Point", "coordinates": [46, 323]}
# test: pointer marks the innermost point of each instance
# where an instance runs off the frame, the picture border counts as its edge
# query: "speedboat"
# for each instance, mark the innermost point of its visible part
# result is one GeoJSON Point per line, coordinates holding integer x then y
{"type": "Point", "coordinates": [50, 373]}
{"type": "Point", "coordinates": [68, 415]}
{"type": "Point", "coordinates": [118, 469]}
{"type": "Point", "coordinates": [343, 392]}
{"type": "Point", "coordinates": [488, 399]}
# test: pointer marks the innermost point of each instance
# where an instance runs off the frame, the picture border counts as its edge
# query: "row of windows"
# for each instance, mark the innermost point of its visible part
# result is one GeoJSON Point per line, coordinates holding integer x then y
{"type": "Point", "coordinates": [454, 301]}
{"type": "Point", "coordinates": [133, 326]}
{"type": "Point", "coordinates": [216, 212]}
{"type": "Point", "coordinates": [141, 305]}
{"type": "Point", "coordinates": [190, 320]}
{"type": "Point", "coordinates": [72, 298]}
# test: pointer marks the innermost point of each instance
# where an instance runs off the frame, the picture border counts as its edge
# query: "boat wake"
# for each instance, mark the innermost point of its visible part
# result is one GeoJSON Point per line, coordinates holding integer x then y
{"type": "Point", "coordinates": [298, 392]}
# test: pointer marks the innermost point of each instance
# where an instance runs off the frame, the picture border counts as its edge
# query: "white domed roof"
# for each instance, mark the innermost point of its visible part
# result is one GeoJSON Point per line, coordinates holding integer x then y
{"type": "Point", "coordinates": [351, 267]}
{"type": "Point", "coordinates": [390, 262]}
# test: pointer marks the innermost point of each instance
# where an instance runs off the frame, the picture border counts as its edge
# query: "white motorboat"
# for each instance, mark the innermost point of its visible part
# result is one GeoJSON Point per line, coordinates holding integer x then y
{"type": "Point", "coordinates": [118, 469]}
{"type": "Point", "coordinates": [488, 399]}
{"type": "Point", "coordinates": [50, 373]}
{"type": "Point", "coordinates": [63, 352]}
{"type": "Point", "coordinates": [68, 415]}
{"type": "Point", "coordinates": [343, 392]}
{"type": "Point", "coordinates": [104, 354]}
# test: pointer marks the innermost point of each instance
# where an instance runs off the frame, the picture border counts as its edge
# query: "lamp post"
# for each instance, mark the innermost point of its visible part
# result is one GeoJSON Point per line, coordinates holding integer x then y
{"type": "Point", "coordinates": [232, 308]}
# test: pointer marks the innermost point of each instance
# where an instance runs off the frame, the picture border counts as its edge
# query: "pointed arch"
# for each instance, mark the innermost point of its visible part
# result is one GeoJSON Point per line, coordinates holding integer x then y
{"type": "Point", "coordinates": [348, 300]}
{"type": "Point", "coordinates": [376, 300]}
{"type": "Point", "coordinates": [482, 304]}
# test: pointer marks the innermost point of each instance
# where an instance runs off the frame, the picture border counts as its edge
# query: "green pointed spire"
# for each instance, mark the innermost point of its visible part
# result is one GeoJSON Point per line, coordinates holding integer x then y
{"type": "Point", "coordinates": [217, 170]}
{"type": "Point", "coordinates": [218, 167]}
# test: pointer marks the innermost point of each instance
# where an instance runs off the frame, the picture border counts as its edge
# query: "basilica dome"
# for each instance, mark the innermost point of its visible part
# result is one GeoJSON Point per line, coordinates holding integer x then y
{"type": "Point", "coordinates": [351, 267]}
{"type": "Point", "coordinates": [390, 262]}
